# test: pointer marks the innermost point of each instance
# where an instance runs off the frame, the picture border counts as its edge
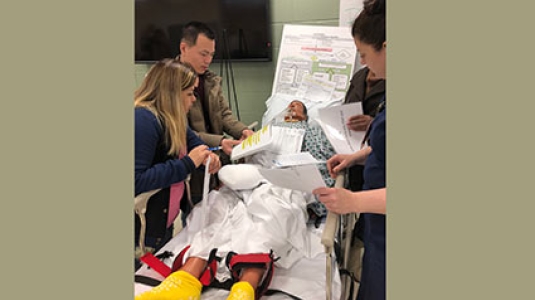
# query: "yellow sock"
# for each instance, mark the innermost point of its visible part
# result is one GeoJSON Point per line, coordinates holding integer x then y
{"type": "Point", "coordinates": [180, 285]}
{"type": "Point", "coordinates": [241, 291]}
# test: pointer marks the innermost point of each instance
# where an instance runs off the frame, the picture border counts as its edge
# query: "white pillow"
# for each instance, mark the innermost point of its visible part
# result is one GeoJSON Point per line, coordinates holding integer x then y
{"type": "Point", "coordinates": [240, 176]}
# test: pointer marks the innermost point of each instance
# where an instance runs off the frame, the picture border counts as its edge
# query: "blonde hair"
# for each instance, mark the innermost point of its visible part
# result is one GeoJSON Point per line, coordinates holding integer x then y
{"type": "Point", "coordinates": [160, 93]}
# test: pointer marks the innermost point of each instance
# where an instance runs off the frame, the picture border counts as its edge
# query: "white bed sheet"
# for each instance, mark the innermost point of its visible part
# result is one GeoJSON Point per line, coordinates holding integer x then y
{"type": "Point", "coordinates": [305, 280]}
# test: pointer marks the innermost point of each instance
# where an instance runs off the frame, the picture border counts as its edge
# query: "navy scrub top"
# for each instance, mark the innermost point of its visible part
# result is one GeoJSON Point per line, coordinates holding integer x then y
{"type": "Point", "coordinates": [372, 286]}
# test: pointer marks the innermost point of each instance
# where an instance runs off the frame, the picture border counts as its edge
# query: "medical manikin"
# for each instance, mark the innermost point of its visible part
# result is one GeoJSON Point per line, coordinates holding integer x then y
{"type": "Point", "coordinates": [243, 231]}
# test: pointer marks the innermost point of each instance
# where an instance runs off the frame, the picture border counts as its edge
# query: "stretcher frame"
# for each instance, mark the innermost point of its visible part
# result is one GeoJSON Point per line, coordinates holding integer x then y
{"type": "Point", "coordinates": [338, 228]}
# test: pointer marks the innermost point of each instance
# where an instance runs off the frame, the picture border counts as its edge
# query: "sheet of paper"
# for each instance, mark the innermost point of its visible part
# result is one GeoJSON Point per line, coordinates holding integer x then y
{"type": "Point", "coordinates": [301, 158]}
{"type": "Point", "coordinates": [303, 178]}
{"type": "Point", "coordinates": [259, 141]}
{"type": "Point", "coordinates": [276, 104]}
{"type": "Point", "coordinates": [316, 89]}
{"type": "Point", "coordinates": [286, 140]}
{"type": "Point", "coordinates": [327, 52]}
{"type": "Point", "coordinates": [333, 122]}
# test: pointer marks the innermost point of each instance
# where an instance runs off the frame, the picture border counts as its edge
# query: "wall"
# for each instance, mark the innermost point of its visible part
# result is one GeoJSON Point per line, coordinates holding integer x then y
{"type": "Point", "coordinates": [253, 80]}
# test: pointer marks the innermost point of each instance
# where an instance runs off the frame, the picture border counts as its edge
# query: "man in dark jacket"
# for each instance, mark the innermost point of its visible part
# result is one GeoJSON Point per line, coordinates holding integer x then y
{"type": "Point", "coordinates": [210, 116]}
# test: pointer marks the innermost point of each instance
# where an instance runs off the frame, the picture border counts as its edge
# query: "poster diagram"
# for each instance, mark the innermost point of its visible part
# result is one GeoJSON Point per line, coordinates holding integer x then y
{"type": "Point", "coordinates": [322, 52]}
{"type": "Point", "coordinates": [349, 10]}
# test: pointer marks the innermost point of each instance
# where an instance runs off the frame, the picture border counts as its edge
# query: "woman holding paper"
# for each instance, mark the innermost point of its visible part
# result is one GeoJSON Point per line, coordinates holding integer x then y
{"type": "Point", "coordinates": [369, 33]}
{"type": "Point", "coordinates": [166, 150]}
{"type": "Point", "coordinates": [369, 91]}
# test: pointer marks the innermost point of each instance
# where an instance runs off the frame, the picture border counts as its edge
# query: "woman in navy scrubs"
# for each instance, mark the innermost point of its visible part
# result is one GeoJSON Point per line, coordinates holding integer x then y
{"type": "Point", "coordinates": [369, 33]}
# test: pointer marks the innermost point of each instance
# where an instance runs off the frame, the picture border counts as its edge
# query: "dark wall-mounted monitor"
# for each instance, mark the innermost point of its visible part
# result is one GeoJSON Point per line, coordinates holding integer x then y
{"type": "Point", "coordinates": [242, 28]}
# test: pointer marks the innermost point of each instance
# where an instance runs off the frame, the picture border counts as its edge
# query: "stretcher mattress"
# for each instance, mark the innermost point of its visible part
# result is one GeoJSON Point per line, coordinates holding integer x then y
{"type": "Point", "coordinates": [306, 279]}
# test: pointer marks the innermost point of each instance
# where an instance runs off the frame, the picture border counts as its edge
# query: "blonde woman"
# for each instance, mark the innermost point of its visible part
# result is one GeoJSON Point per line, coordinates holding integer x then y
{"type": "Point", "coordinates": [166, 149]}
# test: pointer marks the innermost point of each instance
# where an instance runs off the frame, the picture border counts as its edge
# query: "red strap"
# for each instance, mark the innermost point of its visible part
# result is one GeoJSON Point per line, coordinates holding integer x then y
{"type": "Point", "coordinates": [238, 261]}
{"type": "Point", "coordinates": [177, 264]}
{"type": "Point", "coordinates": [250, 258]}
{"type": "Point", "coordinates": [208, 274]}
{"type": "Point", "coordinates": [156, 264]}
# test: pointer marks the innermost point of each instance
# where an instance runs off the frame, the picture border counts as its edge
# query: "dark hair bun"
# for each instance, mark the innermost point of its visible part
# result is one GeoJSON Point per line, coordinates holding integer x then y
{"type": "Point", "coordinates": [375, 7]}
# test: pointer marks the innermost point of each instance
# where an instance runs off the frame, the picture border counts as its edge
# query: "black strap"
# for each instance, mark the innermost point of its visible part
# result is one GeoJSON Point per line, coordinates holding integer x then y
{"type": "Point", "coordinates": [272, 292]}
{"type": "Point", "coordinates": [146, 280]}
{"type": "Point", "coordinates": [216, 284]}
{"type": "Point", "coordinates": [164, 255]}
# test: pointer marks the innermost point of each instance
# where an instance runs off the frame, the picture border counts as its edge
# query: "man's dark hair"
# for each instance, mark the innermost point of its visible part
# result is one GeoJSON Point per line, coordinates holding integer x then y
{"type": "Point", "coordinates": [191, 32]}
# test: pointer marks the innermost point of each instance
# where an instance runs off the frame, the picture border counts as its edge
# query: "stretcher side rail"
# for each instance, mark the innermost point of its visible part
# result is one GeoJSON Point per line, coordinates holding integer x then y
{"type": "Point", "coordinates": [328, 236]}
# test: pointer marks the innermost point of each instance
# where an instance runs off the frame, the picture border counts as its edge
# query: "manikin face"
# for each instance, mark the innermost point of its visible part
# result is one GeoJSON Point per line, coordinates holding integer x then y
{"type": "Point", "coordinates": [188, 96]}
{"type": "Point", "coordinates": [375, 60]}
{"type": "Point", "coordinates": [200, 55]}
{"type": "Point", "coordinates": [296, 112]}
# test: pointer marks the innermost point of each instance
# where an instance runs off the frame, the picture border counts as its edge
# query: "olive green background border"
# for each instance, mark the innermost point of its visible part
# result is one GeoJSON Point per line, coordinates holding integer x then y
{"type": "Point", "coordinates": [67, 149]}
{"type": "Point", "coordinates": [459, 149]}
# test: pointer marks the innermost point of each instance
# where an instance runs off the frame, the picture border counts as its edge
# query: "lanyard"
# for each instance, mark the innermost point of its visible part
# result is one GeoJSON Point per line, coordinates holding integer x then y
{"type": "Point", "coordinates": [366, 138]}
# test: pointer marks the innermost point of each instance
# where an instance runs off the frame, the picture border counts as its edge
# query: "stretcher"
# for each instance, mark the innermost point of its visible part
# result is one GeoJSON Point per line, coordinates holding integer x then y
{"type": "Point", "coordinates": [314, 277]}
{"type": "Point", "coordinates": [329, 272]}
